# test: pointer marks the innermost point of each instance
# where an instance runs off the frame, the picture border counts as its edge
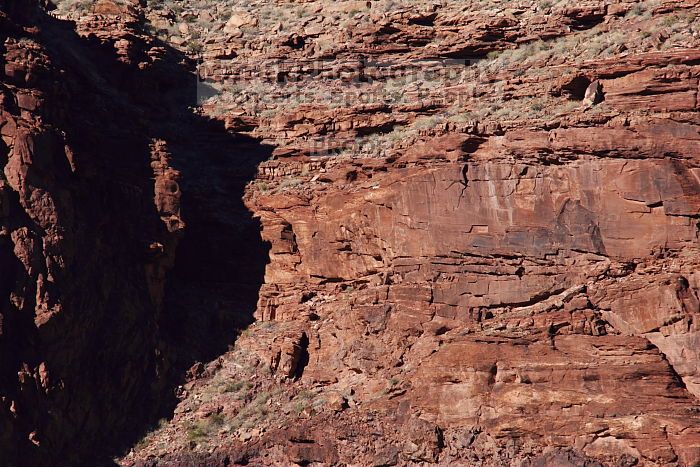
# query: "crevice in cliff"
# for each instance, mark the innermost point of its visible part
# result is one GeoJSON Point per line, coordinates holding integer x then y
{"type": "Point", "coordinates": [535, 300]}
{"type": "Point", "coordinates": [303, 360]}
{"type": "Point", "coordinates": [221, 261]}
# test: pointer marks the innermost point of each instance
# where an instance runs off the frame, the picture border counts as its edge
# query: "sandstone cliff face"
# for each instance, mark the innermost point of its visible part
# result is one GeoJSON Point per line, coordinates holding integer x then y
{"type": "Point", "coordinates": [492, 264]}
{"type": "Point", "coordinates": [498, 266]}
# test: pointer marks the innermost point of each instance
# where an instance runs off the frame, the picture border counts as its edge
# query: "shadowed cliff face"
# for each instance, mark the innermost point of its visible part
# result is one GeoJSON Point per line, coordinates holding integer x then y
{"type": "Point", "coordinates": [97, 137]}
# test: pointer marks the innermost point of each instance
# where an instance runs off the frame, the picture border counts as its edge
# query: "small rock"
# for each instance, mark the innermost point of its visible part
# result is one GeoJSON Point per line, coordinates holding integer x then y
{"type": "Point", "coordinates": [336, 402]}
{"type": "Point", "coordinates": [594, 93]}
{"type": "Point", "coordinates": [238, 20]}
{"type": "Point", "coordinates": [27, 101]}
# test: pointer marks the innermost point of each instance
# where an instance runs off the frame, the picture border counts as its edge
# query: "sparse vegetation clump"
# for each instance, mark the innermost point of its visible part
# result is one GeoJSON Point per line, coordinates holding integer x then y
{"type": "Point", "coordinates": [202, 430]}
{"type": "Point", "coordinates": [255, 412]}
{"type": "Point", "coordinates": [236, 387]}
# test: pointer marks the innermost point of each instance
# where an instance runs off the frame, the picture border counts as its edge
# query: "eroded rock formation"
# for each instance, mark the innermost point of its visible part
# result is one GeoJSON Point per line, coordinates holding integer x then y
{"type": "Point", "coordinates": [84, 246]}
{"type": "Point", "coordinates": [493, 264]}
{"type": "Point", "coordinates": [509, 278]}
{"type": "Point", "coordinates": [92, 341]}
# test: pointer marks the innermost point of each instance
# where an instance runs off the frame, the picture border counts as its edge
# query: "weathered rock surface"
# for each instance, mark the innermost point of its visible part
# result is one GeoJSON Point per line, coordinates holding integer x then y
{"type": "Point", "coordinates": [509, 278]}
{"type": "Point", "coordinates": [85, 240]}
{"type": "Point", "coordinates": [91, 204]}
{"type": "Point", "coordinates": [493, 264]}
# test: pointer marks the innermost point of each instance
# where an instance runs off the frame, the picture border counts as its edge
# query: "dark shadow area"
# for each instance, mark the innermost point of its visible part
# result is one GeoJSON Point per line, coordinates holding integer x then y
{"type": "Point", "coordinates": [213, 288]}
{"type": "Point", "coordinates": [118, 349]}
{"type": "Point", "coordinates": [303, 357]}
{"type": "Point", "coordinates": [575, 89]}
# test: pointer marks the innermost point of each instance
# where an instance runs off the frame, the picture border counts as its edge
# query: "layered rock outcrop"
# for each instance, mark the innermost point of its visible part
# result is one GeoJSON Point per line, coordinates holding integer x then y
{"type": "Point", "coordinates": [479, 232]}
{"type": "Point", "coordinates": [491, 261]}
{"type": "Point", "coordinates": [554, 302]}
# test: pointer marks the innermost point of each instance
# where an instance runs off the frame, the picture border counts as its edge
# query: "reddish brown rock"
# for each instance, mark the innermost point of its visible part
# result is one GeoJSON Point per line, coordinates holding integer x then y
{"type": "Point", "coordinates": [497, 266]}
{"type": "Point", "coordinates": [90, 218]}
{"type": "Point", "coordinates": [522, 280]}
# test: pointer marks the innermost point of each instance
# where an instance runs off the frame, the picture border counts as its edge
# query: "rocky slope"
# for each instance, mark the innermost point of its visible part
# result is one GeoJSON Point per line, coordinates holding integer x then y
{"type": "Point", "coordinates": [479, 231]}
